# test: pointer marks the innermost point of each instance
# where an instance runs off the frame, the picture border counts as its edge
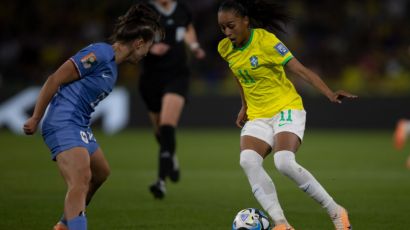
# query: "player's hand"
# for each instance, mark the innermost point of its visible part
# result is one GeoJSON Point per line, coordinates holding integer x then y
{"type": "Point", "coordinates": [30, 126]}
{"type": "Point", "coordinates": [242, 118]}
{"type": "Point", "coordinates": [339, 95]}
{"type": "Point", "coordinates": [199, 53]}
{"type": "Point", "coordinates": [159, 49]}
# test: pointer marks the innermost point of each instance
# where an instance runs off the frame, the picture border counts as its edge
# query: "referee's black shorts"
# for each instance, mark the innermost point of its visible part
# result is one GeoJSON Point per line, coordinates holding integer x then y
{"type": "Point", "coordinates": [153, 86]}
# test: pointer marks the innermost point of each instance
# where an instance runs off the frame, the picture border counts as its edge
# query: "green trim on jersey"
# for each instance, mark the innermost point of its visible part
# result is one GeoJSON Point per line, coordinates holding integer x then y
{"type": "Point", "coordinates": [247, 43]}
{"type": "Point", "coordinates": [287, 60]}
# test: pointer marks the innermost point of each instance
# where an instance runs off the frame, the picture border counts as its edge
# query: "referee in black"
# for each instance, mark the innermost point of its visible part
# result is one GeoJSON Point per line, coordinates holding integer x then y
{"type": "Point", "coordinates": [164, 84]}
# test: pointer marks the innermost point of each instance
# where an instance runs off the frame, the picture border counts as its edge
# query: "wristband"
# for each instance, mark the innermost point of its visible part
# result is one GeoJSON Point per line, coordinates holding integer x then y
{"type": "Point", "coordinates": [194, 46]}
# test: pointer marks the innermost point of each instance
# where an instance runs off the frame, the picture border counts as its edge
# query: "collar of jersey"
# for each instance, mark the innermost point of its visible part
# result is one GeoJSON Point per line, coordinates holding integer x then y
{"type": "Point", "coordinates": [247, 43]}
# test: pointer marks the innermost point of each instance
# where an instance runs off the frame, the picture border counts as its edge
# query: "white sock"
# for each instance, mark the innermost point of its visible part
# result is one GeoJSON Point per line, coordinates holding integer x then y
{"type": "Point", "coordinates": [286, 164]}
{"type": "Point", "coordinates": [262, 186]}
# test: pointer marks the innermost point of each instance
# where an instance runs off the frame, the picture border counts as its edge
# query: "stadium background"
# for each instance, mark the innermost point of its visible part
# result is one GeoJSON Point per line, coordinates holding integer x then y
{"type": "Point", "coordinates": [359, 46]}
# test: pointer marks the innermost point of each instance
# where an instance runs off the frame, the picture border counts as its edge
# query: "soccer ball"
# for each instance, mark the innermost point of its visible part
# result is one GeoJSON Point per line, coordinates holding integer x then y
{"type": "Point", "coordinates": [250, 219]}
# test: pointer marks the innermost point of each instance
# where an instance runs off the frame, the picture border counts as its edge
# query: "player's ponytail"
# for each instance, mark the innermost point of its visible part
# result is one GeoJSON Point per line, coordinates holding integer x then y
{"type": "Point", "coordinates": [140, 21]}
{"type": "Point", "coordinates": [262, 13]}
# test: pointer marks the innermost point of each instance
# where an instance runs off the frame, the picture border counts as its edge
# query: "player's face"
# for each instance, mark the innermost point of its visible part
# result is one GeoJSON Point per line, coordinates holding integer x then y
{"type": "Point", "coordinates": [140, 50]}
{"type": "Point", "coordinates": [234, 26]}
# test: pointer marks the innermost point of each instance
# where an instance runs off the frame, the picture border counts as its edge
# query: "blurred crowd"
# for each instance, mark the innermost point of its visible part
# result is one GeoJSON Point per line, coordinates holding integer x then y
{"type": "Point", "coordinates": [361, 46]}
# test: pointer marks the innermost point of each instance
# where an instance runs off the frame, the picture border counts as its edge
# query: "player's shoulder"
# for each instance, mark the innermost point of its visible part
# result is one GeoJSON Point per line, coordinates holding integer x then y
{"type": "Point", "coordinates": [103, 51]}
{"type": "Point", "coordinates": [224, 46]}
{"type": "Point", "coordinates": [265, 36]}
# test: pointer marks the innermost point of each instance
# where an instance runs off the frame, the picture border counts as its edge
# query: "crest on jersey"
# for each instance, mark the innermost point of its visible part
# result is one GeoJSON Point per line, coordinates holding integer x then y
{"type": "Point", "coordinates": [254, 61]}
{"type": "Point", "coordinates": [89, 60]}
{"type": "Point", "coordinates": [281, 48]}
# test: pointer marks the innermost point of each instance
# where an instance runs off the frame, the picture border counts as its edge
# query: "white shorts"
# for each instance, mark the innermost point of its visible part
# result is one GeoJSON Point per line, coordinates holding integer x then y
{"type": "Point", "coordinates": [265, 129]}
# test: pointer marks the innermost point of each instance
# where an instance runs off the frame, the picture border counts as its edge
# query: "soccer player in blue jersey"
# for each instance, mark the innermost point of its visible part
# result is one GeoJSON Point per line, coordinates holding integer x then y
{"type": "Point", "coordinates": [72, 93]}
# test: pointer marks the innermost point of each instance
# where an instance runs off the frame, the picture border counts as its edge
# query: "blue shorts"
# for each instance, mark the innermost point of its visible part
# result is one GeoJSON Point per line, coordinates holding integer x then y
{"type": "Point", "coordinates": [68, 137]}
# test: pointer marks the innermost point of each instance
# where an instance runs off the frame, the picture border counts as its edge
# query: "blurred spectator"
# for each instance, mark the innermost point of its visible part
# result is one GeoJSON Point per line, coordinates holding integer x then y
{"type": "Point", "coordinates": [363, 46]}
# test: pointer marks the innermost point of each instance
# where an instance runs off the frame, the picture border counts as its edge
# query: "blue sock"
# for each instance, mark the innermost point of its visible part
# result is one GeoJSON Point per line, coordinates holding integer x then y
{"type": "Point", "coordinates": [78, 223]}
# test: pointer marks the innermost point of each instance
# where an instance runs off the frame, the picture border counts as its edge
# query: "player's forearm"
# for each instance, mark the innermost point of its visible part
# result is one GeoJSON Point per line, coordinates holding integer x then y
{"type": "Point", "coordinates": [190, 38]}
{"type": "Point", "coordinates": [47, 92]}
{"type": "Point", "coordinates": [318, 83]}
{"type": "Point", "coordinates": [308, 75]}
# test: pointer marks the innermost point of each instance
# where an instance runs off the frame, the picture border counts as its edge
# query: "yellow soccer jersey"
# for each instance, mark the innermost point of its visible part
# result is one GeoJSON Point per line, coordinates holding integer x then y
{"type": "Point", "coordinates": [259, 67]}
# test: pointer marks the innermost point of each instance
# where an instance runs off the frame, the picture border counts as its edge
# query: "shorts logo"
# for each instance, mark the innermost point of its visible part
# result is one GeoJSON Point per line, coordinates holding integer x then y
{"type": "Point", "coordinates": [281, 48]}
{"type": "Point", "coordinates": [254, 61]}
{"type": "Point", "coordinates": [89, 60]}
{"type": "Point", "coordinates": [84, 137]}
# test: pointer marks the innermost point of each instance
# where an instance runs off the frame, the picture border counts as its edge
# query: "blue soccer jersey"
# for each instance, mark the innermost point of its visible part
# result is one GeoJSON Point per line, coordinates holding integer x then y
{"type": "Point", "coordinates": [66, 124]}
{"type": "Point", "coordinates": [75, 101]}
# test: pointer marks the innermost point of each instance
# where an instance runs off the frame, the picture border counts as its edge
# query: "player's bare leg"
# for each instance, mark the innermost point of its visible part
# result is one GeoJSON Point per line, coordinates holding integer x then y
{"type": "Point", "coordinates": [400, 133]}
{"type": "Point", "coordinates": [172, 105]}
{"type": "Point", "coordinates": [100, 170]}
{"type": "Point", "coordinates": [74, 166]}
{"type": "Point", "coordinates": [167, 121]}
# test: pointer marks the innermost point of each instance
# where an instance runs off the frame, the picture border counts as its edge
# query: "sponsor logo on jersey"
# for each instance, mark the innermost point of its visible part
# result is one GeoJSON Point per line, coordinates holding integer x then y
{"type": "Point", "coordinates": [254, 61]}
{"type": "Point", "coordinates": [281, 48]}
{"type": "Point", "coordinates": [89, 60]}
{"type": "Point", "coordinates": [105, 75]}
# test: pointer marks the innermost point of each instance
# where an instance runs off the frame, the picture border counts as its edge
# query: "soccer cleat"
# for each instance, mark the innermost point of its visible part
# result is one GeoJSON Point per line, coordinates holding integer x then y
{"type": "Point", "coordinates": [60, 226]}
{"type": "Point", "coordinates": [158, 189]}
{"type": "Point", "coordinates": [341, 220]}
{"type": "Point", "coordinates": [283, 227]}
{"type": "Point", "coordinates": [400, 134]}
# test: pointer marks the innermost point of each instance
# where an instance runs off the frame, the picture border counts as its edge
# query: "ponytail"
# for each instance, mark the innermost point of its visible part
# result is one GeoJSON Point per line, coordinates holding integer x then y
{"type": "Point", "coordinates": [262, 13]}
{"type": "Point", "coordinates": [140, 21]}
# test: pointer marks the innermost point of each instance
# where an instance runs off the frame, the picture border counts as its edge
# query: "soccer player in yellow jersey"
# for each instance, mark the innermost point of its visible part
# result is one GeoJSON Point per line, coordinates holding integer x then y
{"type": "Point", "coordinates": [272, 116]}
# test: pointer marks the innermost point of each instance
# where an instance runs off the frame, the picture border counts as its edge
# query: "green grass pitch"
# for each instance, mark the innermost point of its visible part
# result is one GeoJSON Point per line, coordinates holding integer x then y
{"type": "Point", "coordinates": [359, 169]}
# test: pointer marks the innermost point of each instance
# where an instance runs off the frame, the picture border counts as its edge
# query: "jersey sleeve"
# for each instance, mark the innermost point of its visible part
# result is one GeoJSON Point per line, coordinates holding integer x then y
{"type": "Point", "coordinates": [87, 60]}
{"type": "Point", "coordinates": [223, 47]}
{"type": "Point", "coordinates": [277, 51]}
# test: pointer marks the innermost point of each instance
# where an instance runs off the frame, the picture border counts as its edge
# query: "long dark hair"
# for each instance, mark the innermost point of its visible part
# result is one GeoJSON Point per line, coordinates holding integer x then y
{"type": "Point", "coordinates": [262, 13]}
{"type": "Point", "coordinates": [140, 21]}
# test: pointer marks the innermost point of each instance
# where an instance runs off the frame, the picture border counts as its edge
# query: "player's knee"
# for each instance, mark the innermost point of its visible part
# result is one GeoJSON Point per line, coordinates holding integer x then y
{"type": "Point", "coordinates": [250, 159]}
{"type": "Point", "coordinates": [284, 161]}
{"type": "Point", "coordinates": [80, 182]}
